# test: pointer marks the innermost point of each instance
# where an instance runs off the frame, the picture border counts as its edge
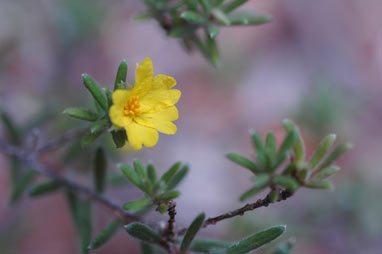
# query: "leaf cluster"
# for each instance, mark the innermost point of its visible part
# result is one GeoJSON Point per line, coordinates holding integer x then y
{"type": "Point", "coordinates": [197, 22]}
{"type": "Point", "coordinates": [287, 167]}
{"type": "Point", "coordinates": [157, 191]}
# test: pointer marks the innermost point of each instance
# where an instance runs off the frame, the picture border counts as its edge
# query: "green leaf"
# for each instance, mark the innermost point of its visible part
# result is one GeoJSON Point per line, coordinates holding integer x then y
{"type": "Point", "coordinates": [192, 4]}
{"type": "Point", "coordinates": [167, 176]}
{"type": "Point", "coordinates": [287, 143]}
{"type": "Point", "coordinates": [99, 125]}
{"type": "Point", "coordinates": [132, 176]}
{"type": "Point", "coordinates": [256, 140]}
{"type": "Point", "coordinates": [95, 90]}
{"type": "Point", "coordinates": [85, 223]}
{"type": "Point", "coordinates": [207, 5]}
{"type": "Point", "coordinates": [119, 137]}
{"type": "Point", "coordinates": [270, 143]}
{"type": "Point", "coordinates": [242, 161]}
{"type": "Point", "coordinates": [338, 151]}
{"type": "Point", "coordinates": [100, 166]}
{"type": "Point", "coordinates": [299, 146]}
{"type": "Point", "coordinates": [213, 52]}
{"type": "Point", "coordinates": [81, 114]}
{"type": "Point", "coordinates": [146, 248]}
{"type": "Point", "coordinates": [319, 185]}
{"type": "Point", "coordinates": [248, 18]}
{"type": "Point", "coordinates": [12, 130]}
{"type": "Point", "coordinates": [89, 138]}
{"type": "Point", "coordinates": [73, 202]}
{"type": "Point", "coordinates": [120, 79]}
{"type": "Point", "coordinates": [47, 187]}
{"type": "Point", "coordinates": [137, 204]}
{"type": "Point", "coordinates": [166, 197]}
{"type": "Point", "coordinates": [178, 177]}
{"type": "Point", "coordinates": [151, 173]}
{"type": "Point", "coordinates": [273, 196]}
{"type": "Point", "coordinates": [181, 31]}
{"type": "Point", "coordinates": [191, 232]}
{"type": "Point", "coordinates": [106, 234]}
{"type": "Point", "coordinates": [162, 208]}
{"type": "Point", "coordinates": [326, 172]}
{"type": "Point", "coordinates": [193, 17]}
{"type": "Point", "coordinates": [205, 245]}
{"type": "Point", "coordinates": [286, 182]}
{"type": "Point", "coordinates": [21, 184]}
{"type": "Point", "coordinates": [256, 240]}
{"type": "Point", "coordinates": [143, 232]}
{"type": "Point", "coordinates": [221, 17]}
{"type": "Point", "coordinates": [212, 30]}
{"type": "Point", "coordinates": [140, 169]}
{"type": "Point", "coordinates": [261, 181]}
{"type": "Point", "coordinates": [109, 97]}
{"type": "Point", "coordinates": [321, 150]}
{"type": "Point", "coordinates": [233, 5]}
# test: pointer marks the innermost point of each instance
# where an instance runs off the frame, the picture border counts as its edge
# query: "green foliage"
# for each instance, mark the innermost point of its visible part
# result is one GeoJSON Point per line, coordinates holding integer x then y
{"type": "Point", "coordinates": [184, 19]}
{"type": "Point", "coordinates": [287, 168]}
{"type": "Point", "coordinates": [100, 167]}
{"type": "Point", "coordinates": [157, 191]}
{"type": "Point", "coordinates": [44, 188]}
{"type": "Point", "coordinates": [191, 232]}
{"type": "Point", "coordinates": [106, 234]}
{"type": "Point", "coordinates": [143, 232]}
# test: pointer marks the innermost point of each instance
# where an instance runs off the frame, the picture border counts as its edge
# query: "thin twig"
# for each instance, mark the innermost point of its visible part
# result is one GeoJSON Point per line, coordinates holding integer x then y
{"type": "Point", "coordinates": [34, 164]}
{"type": "Point", "coordinates": [58, 142]}
{"type": "Point", "coordinates": [248, 207]}
{"type": "Point", "coordinates": [169, 232]}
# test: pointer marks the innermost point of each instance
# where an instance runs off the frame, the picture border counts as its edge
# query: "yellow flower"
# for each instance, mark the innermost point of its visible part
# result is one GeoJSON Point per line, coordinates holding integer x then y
{"type": "Point", "coordinates": [147, 107]}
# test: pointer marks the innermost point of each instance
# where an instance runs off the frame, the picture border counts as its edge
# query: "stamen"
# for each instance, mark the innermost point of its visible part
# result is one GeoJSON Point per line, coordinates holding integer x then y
{"type": "Point", "coordinates": [131, 107]}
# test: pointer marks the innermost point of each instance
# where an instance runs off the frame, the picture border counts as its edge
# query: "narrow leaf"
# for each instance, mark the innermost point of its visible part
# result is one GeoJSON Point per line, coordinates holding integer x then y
{"type": "Point", "coordinates": [256, 240]}
{"type": "Point", "coordinates": [146, 248]}
{"type": "Point", "coordinates": [221, 17]}
{"type": "Point", "coordinates": [109, 97]}
{"type": "Point", "coordinates": [261, 181]}
{"type": "Point", "coordinates": [338, 151]}
{"type": "Point", "coordinates": [85, 224]}
{"type": "Point", "coordinates": [12, 130]}
{"type": "Point", "coordinates": [167, 176]}
{"type": "Point", "coordinates": [137, 204]}
{"type": "Point", "coordinates": [140, 169]}
{"type": "Point", "coordinates": [151, 173]}
{"type": "Point", "coordinates": [81, 114]}
{"type": "Point", "coordinates": [286, 182]}
{"type": "Point", "coordinates": [143, 232]}
{"type": "Point", "coordinates": [326, 172]}
{"type": "Point", "coordinates": [99, 125]}
{"type": "Point", "coordinates": [273, 196]}
{"type": "Point", "coordinates": [166, 197]}
{"type": "Point", "coordinates": [193, 17]}
{"type": "Point", "coordinates": [233, 5]}
{"type": "Point", "coordinates": [287, 143]}
{"type": "Point", "coordinates": [178, 177]}
{"type": "Point", "coordinates": [100, 166]}
{"type": "Point", "coordinates": [243, 162]}
{"type": "Point", "coordinates": [89, 138]}
{"type": "Point", "coordinates": [106, 234]}
{"type": "Point", "coordinates": [213, 30]}
{"type": "Point", "coordinates": [205, 245]}
{"type": "Point", "coordinates": [299, 146]}
{"type": "Point", "coordinates": [213, 52]}
{"type": "Point", "coordinates": [132, 176]}
{"type": "Point", "coordinates": [121, 75]}
{"type": "Point", "coordinates": [321, 150]}
{"type": "Point", "coordinates": [319, 185]}
{"type": "Point", "coordinates": [256, 140]}
{"type": "Point", "coordinates": [191, 232]}
{"type": "Point", "coordinates": [248, 18]}
{"type": "Point", "coordinates": [270, 143]}
{"type": "Point", "coordinates": [21, 184]}
{"type": "Point", "coordinates": [95, 90]}
{"type": "Point", "coordinates": [44, 188]}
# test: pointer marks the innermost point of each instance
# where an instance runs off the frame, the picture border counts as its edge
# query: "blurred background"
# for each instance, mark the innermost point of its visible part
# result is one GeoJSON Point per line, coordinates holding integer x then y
{"type": "Point", "coordinates": [318, 63]}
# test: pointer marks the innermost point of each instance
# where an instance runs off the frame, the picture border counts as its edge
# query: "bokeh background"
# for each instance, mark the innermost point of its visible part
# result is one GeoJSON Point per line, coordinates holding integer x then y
{"type": "Point", "coordinates": [318, 63]}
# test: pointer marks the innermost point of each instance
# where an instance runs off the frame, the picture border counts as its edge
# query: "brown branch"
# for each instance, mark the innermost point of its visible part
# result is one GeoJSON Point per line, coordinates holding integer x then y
{"type": "Point", "coordinates": [283, 195]}
{"type": "Point", "coordinates": [169, 232]}
{"type": "Point", "coordinates": [32, 161]}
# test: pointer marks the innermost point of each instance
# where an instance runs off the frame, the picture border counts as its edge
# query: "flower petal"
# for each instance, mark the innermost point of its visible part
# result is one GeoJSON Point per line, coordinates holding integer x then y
{"type": "Point", "coordinates": [163, 82]}
{"type": "Point", "coordinates": [139, 135]}
{"type": "Point", "coordinates": [162, 120]}
{"type": "Point", "coordinates": [117, 117]}
{"type": "Point", "coordinates": [120, 96]}
{"type": "Point", "coordinates": [165, 97]}
{"type": "Point", "coordinates": [144, 71]}
{"type": "Point", "coordinates": [140, 89]}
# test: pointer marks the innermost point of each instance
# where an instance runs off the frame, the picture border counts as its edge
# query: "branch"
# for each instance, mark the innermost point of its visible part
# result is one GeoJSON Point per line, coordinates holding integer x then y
{"type": "Point", "coordinates": [283, 195]}
{"type": "Point", "coordinates": [169, 231]}
{"type": "Point", "coordinates": [34, 164]}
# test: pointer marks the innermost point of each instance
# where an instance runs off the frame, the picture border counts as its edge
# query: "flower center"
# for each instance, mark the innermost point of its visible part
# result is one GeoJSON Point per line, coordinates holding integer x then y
{"type": "Point", "coordinates": [131, 107]}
